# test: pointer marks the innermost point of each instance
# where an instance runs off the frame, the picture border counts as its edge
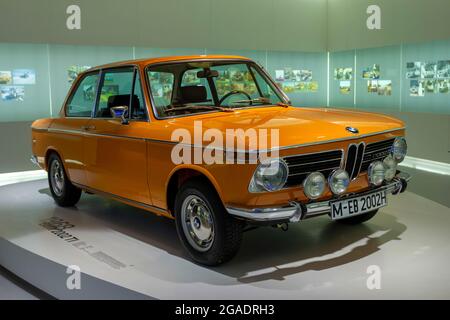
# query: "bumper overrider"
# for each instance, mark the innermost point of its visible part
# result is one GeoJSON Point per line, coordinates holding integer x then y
{"type": "Point", "coordinates": [296, 211]}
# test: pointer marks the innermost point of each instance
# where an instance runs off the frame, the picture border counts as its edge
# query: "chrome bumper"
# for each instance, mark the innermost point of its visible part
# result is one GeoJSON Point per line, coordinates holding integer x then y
{"type": "Point", "coordinates": [34, 160]}
{"type": "Point", "coordinates": [295, 211]}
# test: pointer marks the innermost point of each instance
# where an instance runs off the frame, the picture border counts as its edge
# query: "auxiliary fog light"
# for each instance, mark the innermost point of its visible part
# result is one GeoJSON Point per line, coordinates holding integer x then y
{"type": "Point", "coordinates": [314, 185]}
{"type": "Point", "coordinates": [376, 173]}
{"type": "Point", "coordinates": [391, 168]}
{"type": "Point", "coordinates": [338, 181]}
{"type": "Point", "coordinates": [399, 149]}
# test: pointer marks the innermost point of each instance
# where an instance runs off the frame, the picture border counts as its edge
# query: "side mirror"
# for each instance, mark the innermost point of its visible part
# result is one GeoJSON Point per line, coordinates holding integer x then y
{"type": "Point", "coordinates": [120, 112]}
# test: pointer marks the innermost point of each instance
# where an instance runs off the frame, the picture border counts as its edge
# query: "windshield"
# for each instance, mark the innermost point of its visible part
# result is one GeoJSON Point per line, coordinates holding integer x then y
{"type": "Point", "coordinates": [209, 86]}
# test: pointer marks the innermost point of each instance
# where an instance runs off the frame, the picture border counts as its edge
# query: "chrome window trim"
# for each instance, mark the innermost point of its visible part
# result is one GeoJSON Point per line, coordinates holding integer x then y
{"type": "Point", "coordinates": [99, 71]}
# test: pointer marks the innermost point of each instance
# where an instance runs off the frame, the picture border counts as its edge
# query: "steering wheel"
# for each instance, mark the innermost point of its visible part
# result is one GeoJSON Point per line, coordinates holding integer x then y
{"type": "Point", "coordinates": [233, 92]}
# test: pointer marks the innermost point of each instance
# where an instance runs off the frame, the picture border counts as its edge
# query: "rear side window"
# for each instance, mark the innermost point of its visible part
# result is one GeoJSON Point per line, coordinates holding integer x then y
{"type": "Point", "coordinates": [82, 101]}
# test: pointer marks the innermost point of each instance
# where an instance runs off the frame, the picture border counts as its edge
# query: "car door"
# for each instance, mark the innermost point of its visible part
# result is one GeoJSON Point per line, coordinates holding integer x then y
{"type": "Point", "coordinates": [68, 130]}
{"type": "Point", "coordinates": [116, 153]}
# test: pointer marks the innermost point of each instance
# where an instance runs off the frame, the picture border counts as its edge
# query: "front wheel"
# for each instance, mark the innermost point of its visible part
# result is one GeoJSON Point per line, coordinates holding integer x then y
{"type": "Point", "coordinates": [208, 233]}
{"type": "Point", "coordinates": [359, 218]}
{"type": "Point", "coordinates": [63, 191]}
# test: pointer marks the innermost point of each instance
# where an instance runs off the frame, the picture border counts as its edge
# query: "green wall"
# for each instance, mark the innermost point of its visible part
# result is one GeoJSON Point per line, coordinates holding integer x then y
{"type": "Point", "coordinates": [402, 21]}
{"type": "Point", "coordinates": [296, 25]}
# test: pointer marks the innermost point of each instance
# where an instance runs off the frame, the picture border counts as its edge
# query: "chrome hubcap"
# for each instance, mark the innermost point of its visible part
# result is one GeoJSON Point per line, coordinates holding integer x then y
{"type": "Point", "coordinates": [57, 178]}
{"type": "Point", "coordinates": [198, 224]}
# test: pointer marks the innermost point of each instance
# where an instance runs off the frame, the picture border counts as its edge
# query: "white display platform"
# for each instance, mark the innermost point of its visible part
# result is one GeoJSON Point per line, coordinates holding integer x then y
{"type": "Point", "coordinates": [128, 253]}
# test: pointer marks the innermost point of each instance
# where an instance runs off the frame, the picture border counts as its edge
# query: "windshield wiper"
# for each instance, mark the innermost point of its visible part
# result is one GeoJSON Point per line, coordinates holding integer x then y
{"type": "Point", "coordinates": [223, 109]}
{"type": "Point", "coordinates": [282, 104]}
{"type": "Point", "coordinates": [262, 100]}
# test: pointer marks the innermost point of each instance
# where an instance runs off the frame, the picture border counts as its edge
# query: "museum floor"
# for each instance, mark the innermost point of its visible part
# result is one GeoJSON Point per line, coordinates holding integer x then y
{"type": "Point", "coordinates": [126, 253]}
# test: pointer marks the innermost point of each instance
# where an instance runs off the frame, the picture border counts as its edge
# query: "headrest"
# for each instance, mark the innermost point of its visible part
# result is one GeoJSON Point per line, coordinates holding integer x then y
{"type": "Point", "coordinates": [119, 100]}
{"type": "Point", "coordinates": [191, 94]}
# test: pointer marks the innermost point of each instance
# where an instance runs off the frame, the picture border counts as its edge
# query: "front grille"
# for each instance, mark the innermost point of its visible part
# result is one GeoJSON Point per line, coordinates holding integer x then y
{"type": "Point", "coordinates": [358, 158]}
{"type": "Point", "coordinates": [301, 165]}
{"type": "Point", "coordinates": [354, 159]}
{"type": "Point", "coordinates": [376, 151]}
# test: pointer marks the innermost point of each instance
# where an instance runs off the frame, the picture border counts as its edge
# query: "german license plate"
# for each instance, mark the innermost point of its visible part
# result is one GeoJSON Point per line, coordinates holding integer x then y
{"type": "Point", "coordinates": [358, 205]}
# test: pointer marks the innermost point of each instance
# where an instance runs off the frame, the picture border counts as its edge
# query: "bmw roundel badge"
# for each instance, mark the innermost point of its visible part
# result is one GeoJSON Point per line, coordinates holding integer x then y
{"type": "Point", "coordinates": [352, 130]}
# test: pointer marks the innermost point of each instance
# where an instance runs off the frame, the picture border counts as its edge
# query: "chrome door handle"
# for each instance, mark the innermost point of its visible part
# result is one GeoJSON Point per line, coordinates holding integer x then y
{"type": "Point", "coordinates": [86, 128]}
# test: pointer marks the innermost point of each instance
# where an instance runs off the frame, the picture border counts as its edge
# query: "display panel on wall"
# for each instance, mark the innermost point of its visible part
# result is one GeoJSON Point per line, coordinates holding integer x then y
{"type": "Point", "coordinates": [35, 78]}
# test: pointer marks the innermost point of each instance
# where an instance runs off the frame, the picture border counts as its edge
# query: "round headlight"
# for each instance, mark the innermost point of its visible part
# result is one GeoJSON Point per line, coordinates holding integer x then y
{"type": "Point", "coordinates": [399, 149]}
{"type": "Point", "coordinates": [391, 168]}
{"type": "Point", "coordinates": [314, 185]}
{"type": "Point", "coordinates": [338, 181]}
{"type": "Point", "coordinates": [269, 176]}
{"type": "Point", "coordinates": [376, 173]}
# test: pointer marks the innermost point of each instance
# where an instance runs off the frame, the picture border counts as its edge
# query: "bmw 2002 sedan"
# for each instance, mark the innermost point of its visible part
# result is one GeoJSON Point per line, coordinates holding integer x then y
{"type": "Point", "coordinates": [122, 130]}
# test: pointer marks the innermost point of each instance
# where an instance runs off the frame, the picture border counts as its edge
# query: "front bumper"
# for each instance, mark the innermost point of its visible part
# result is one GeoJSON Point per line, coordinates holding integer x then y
{"type": "Point", "coordinates": [296, 211]}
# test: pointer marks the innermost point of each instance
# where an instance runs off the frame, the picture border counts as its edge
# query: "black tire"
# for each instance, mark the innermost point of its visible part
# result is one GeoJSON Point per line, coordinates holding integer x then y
{"type": "Point", "coordinates": [227, 229]}
{"type": "Point", "coordinates": [359, 218]}
{"type": "Point", "coordinates": [66, 195]}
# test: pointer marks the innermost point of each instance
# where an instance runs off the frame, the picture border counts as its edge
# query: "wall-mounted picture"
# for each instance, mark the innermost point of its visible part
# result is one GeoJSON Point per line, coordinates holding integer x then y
{"type": "Point", "coordinates": [24, 76]}
{"type": "Point", "coordinates": [429, 70]}
{"type": "Point", "coordinates": [312, 86]}
{"type": "Point", "coordinates": [305, 75]}
{"type": "Point", "coordinates": [443, 85]}
{"type": "Point", "coordinates": [429, 86]}
{"type": "Point", "coordinates": [190, 78]}
{"type": "Point", "coordinates": [289, 74]}
{"type": "Point", "coordinates": [73, 71]}
{"type": "Point", "coordinates": [443, 69]}
{"type": "Point", "coordinates": [107, 91]}
{"type": "Point", "coordinates": [372, 72]}
{"type": "Point", "coordinates": [343, 74]}
{"type": "Point", "coordinates": [89, 92]}
{"type": "Point", "coordinates": [345, 87]}
{"type": "Point", "coordinates": [372, 86]}
{"type": "Point", "coordinates": [5, 77]}
{"type": "Point", "coordinates": [12, 93]}
{"type": "Point", "coordinates": [289, 87]}
{"type": "Point", "coordinates": [279, 75]}
{"type": "Point", "coordinates": [384, 87]}
{"type": "Point", "coordinates": [413, 70]}
{"type": "Point", "coordinates": [416, 88]}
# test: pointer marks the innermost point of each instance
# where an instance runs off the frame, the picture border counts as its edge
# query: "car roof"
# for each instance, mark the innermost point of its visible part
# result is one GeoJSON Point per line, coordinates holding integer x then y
{"type": "Point", "coordinates": [149, 61]}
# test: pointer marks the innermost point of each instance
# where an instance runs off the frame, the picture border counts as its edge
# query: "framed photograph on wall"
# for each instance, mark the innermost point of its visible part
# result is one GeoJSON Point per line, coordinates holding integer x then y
{"type": "Point", "coordinates": [384, 87]}
{"type": "Point", "coordinates": [372, 86]}
{"type": "Point", "coordinates": [443, 85]}
{"type": "Point", "coordinates": [24, 76]}
{"type": "Point", "coordinates": [345, 87]}
{"type": "Point", "coordinates": [428, 70]}
{"type": "Point", "coordinates": [413, 70]}
{"type": "Point", "coordinates": [429, 86]}
{"type": "Point", "coordinates": [416, 88]}
{"type": "Point", "coordinates": [12, 93]}
{"type": "Point", "coordinates": [5, 77]}
{"type": "Point", "coordinates": [443, 69]}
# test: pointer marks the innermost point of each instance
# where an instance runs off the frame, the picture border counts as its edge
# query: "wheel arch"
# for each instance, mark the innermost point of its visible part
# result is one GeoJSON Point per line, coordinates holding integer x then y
{"type": "Point", "coordinates": [181, 175]}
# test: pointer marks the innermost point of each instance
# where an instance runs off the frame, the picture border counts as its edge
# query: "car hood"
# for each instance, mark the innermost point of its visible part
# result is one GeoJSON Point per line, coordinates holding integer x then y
{"type": "Point", "coordinates": [296, 125]}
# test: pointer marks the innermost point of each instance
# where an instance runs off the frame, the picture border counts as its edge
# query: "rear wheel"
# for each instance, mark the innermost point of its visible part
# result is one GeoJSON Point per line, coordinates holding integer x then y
{"type": "Point", "coordinates": [208, 233]}
{"type": "Point", "coordinates": [63, 191]}
{"type": "Point", "coordinates": [359, 218]}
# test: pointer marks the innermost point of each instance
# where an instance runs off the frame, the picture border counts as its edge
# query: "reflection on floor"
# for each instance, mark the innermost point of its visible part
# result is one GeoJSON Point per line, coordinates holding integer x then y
{"type": "Point", "coordinates": [315, 259]}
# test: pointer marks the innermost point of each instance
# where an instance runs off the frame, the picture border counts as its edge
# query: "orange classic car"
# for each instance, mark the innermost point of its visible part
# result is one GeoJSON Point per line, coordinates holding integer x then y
{"type": "Point", "coordinates": [176, 136]}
